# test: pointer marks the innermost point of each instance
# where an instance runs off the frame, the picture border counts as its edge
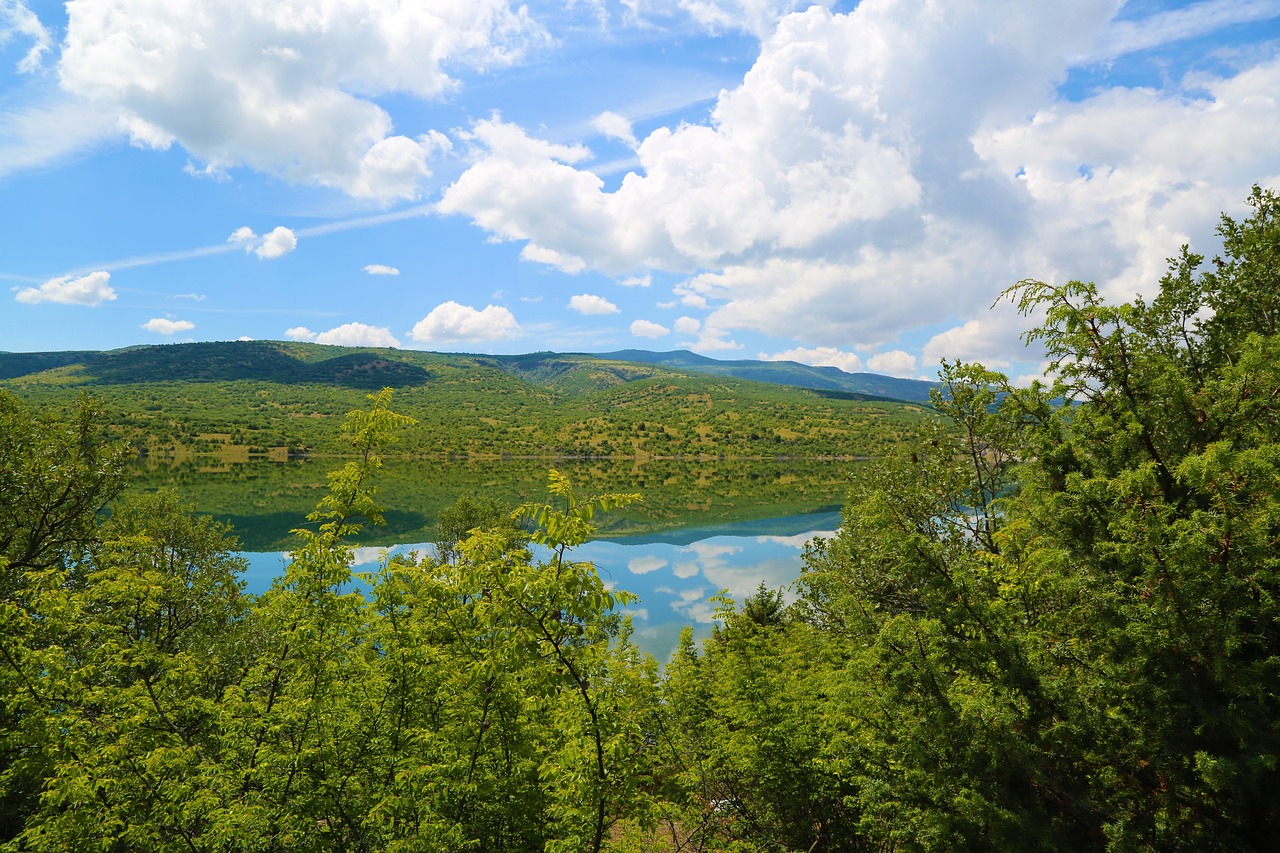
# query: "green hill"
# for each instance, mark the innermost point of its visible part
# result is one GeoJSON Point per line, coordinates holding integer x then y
{"type": "Point", "coordinates": [270, 398]}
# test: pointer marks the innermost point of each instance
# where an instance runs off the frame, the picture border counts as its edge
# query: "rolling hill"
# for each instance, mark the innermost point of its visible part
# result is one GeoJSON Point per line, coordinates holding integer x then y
{"type": "Point", "coordinates": [271, 399]}
{"type": "Point", "coordinates": [359, 367]}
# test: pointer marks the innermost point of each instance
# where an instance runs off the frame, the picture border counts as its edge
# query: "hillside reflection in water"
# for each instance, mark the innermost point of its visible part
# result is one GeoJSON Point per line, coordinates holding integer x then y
{"type": "Point", "coordinates": [674, 574]}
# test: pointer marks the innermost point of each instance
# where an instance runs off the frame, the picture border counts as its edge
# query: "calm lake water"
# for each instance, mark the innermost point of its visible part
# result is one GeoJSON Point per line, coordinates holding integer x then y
{"type": "Point", "coordinates": [675, 574]}
{"type": "Point", "coordinates": [703, 526]}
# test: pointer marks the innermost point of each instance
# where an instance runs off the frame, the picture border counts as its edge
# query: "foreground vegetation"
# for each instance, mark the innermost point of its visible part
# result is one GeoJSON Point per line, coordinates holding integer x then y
{"type": "Point", "coordinates": [1041, 627]}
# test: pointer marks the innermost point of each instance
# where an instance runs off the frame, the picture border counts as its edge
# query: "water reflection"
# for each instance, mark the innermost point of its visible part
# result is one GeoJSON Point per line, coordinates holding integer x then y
{"type": "Point", "coordinates": [264, 501]}
{"type": "Point", "coordinates": [674, 574]}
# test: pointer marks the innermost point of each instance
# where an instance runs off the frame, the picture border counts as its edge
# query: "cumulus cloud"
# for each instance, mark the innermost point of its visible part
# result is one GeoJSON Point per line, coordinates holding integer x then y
{"type": "Point", "coordinates": [688, 325]}
{"type": "Point", "coordinates": [712, 340]}
{"type": "Point", "coordinates": [277, 243]}
{"type": "Point", "coordinates": [550, 257]}
{"type": "Point", "coordinates": [300, 333]}
{"type": "Point", "coordinates": [166, 326]}
{"type": "Point", "coordinates": [983, 339]}
{"type": "Point", "coordinates": [92, 289]}
{"type": "Point", "coordinates": [357, 335]}
{"type": "Point", "coordinates": [286, 87]}
{"type": "Point", "coordinates": [451, 322]}
{"type": "Point", "coordinates": [819, 357]}
{"type": "Point", "coordinates": [648, 329]}
{"type": "Point", "coordinates": [896, 167]}
{"type": "Point", "coordinates": [380, 269]}
{"type": "Point", "coordinates": [587, 303]}
{"type": "Point", "coordinates": [894, 363]}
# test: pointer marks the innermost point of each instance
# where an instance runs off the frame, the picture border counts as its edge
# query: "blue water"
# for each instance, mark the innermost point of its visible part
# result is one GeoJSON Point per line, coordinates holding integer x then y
{"type": "Point", "coordinates": [674, 574]}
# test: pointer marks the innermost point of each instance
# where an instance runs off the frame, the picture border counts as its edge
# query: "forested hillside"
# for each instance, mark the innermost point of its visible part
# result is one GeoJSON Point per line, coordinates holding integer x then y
{"type": "Point", "coordinates": [363, 367]}
{"type": "Point", "coordinates": [1040, 627]}
{"type": "Point", "coordinates": [269, 399]}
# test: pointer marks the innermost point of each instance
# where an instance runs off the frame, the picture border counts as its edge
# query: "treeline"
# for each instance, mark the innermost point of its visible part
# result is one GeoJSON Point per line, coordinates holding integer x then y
{"type": "Point", "coordinates": [1040, 627]}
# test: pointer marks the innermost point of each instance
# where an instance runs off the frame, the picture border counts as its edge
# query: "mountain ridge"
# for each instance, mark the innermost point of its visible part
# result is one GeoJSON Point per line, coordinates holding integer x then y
{"type": "Point", "coordinates": [293, 362]}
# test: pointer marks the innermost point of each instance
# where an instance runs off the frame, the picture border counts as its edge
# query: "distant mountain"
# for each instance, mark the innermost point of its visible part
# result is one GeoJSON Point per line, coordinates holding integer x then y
{"type": "Point", "coordinates": [368, 367]}
{"type": "Point", "coordinates": [785, 373]}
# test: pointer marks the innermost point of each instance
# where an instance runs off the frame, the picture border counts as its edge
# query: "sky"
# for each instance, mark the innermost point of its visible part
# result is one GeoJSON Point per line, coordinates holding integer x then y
{"type": "Point", "coordinates": [852, 184]}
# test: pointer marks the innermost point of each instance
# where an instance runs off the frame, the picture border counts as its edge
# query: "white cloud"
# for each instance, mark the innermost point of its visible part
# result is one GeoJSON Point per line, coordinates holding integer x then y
{"type": "Point", "coordinates": [986, 339]}
{"type": "Point", "coordinates": [380, 269]}
{"type": "Point", "coordinates": [286, 87]}
{"type": "Point", "coordinates": [1187, 22]}
{"type": "Point", "coordinates": [648, 329]}
{"type": "Point", "coordinates": [165, 326]}
{"type": "Point", "coordinates": [244, 237]}
{"type": "Point", "coordinates": [587, 303]}
{"type": "Point", "coordinates": [277, 243]}
{"type": "Point", "coordinates": [92, 289]}
{"type": "Point", "coordinates": [819, 357]}
{"type": "Point", "coordinates": [712, 340]}
{"type": "Point", "coordinates": [636, 281]}
{"type": "Point", "coordinates": [550, 257]}
{"type": "Point", "coordinates": [356, 335]}
{"type": "Point", "coordinates": [894, 363]}
{"type": "Point", "coordinates": [394, 167]}
{"type": "Point", "coordinates": [17, 20]}
{"type": "Point", "coordinates": [896, 167]}
{"type": "Point", "coordinates": [688, 325]}
{"type": "Point", "coordinates": [615, 126]}
{"type": "Point", "coordinates": [300, 333]}
{"type": "Point", "coordinates": [38, 134]}
{"type": "Point", "coordinates": [451, 322]}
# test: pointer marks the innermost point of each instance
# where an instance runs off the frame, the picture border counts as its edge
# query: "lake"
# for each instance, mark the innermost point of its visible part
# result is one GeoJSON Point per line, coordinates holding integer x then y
{"type": "Point", "coordinates": [675, 574]}
{"type": "Point", "coordinates": [704, 525]}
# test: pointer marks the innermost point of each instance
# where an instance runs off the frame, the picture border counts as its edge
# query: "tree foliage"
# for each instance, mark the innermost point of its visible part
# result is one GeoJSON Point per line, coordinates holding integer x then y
{"type": "Point", "coordinates": [1052, 623]}
{"type": "Point", "coordinates": [488, 702]}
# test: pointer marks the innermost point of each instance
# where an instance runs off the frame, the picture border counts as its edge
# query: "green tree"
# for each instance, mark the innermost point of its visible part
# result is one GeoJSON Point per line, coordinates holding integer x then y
{"type": "Point", "coordinates": [1061, 620]}
{"type": "Point", "coordinates": [123, 659]}
{"type": "Point", "coordinates": [474, 512]}
{"type": "Point", "coordinates": [493, 702]}
{"type": "Point", "coordinates": [56, 474]}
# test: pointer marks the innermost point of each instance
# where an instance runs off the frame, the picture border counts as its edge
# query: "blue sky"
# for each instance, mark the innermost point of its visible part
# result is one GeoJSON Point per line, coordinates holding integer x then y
{"type": "Point", "coordinates": [844, 183]}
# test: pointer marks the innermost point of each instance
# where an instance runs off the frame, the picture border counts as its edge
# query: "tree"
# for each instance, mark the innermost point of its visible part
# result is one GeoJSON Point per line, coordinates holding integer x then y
{"type": "Point", "coordinates": [474, 512]}
{"type": "Point", "coordinates": [127, 656]}
{"type": "Point", "coordinates": [1060, 620]}
{"type": "Point", "coordinates": [56, 475]}
{"type": "Point", "coordinates": [492, 702]}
